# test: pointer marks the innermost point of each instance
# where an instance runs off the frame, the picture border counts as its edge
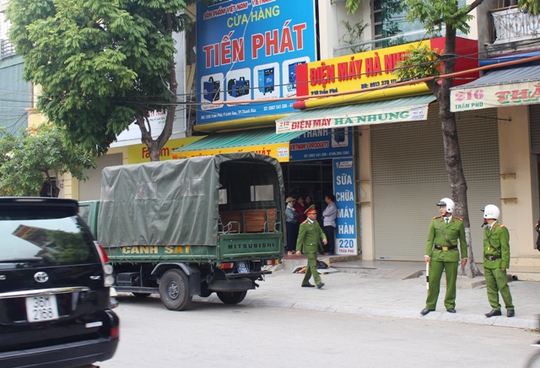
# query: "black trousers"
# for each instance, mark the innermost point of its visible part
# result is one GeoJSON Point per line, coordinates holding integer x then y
{"type": "Point", "coordinates": [292, 235]}
{"type": "Point", "coordinates": [330, 233]}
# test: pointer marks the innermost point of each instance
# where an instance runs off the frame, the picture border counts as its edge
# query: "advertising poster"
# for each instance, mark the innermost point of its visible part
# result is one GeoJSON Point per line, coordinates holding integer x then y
{"type": "Point", "coordinates": [346, 231]}
{"type": "Point", "coordinates": [249, 50]}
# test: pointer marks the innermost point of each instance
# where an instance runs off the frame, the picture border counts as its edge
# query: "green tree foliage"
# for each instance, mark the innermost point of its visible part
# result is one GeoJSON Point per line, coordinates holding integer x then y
{"type": "Point", "coordinates": [102, 64]}
{"type": "Point", "coordinates": [28, 160]}
{"type": "Point", "coordinates": [352, 5]}
{"type": "Point", "coordinates": [353, 35]}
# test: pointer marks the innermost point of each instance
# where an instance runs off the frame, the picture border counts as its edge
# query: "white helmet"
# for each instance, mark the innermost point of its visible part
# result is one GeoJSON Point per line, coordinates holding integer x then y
{"type": "Point", "coordinates": [491, 212]}
{"type": "Point", "coordinates": [448, 203]}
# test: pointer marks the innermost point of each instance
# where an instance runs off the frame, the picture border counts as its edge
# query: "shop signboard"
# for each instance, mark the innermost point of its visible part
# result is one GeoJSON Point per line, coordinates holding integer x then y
{"type": "Point", "coordinates": [346, 231]}
{"type": "Point", "coordinates": [502, 95]}
{"type": "Point", "coordinates": [322, 144]}
{"type": "Point", "coordinates": [279, 151]}
{"type": "Point", "coordinates": [336, 118]}
{"type": "Point", "coordinates": [249, 50]}
{"type": "Point", "coordinates": [138, 153]}
{"type": "Point", "coordinates": [374, 69]}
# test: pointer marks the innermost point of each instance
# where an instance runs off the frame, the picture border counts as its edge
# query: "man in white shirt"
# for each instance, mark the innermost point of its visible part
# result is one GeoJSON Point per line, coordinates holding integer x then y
{"type": "Point", "coordinates": [329, 223]}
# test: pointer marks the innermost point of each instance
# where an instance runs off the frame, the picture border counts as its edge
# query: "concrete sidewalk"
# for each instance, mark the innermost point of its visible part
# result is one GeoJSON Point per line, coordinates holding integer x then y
{"type": "Point", "coordinates": [388, 289]}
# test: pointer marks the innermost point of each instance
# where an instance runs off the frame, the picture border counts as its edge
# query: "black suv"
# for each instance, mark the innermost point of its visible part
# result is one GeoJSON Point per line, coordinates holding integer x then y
{"type": "Point", "coordinates": [54, 287]}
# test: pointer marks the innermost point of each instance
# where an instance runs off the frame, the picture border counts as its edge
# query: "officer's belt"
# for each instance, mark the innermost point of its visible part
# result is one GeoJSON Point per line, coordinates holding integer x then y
{"type": "Point", "coordinates": [492, 258]}
{"type": "Point", "coordinates": [445, 248]}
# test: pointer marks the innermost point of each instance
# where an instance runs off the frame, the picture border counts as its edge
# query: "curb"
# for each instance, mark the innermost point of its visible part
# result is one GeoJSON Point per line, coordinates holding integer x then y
{"type": "Point", "coordinates": [502, 321]}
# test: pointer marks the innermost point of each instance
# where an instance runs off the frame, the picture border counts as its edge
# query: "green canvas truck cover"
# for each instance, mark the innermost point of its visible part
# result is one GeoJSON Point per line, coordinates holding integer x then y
{"type": "Point", "coordinates": [173, 202]}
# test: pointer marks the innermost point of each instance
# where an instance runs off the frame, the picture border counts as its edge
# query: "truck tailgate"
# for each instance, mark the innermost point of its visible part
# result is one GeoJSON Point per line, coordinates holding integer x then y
{"type": "Point", "coordinates": [253, 246]}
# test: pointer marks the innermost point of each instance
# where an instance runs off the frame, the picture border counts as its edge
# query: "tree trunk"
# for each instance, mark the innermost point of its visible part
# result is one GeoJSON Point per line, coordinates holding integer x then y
{"type": "Point", "coordinates": [155, 145]}
{"type": "Point", "coordinates": [452, 153]}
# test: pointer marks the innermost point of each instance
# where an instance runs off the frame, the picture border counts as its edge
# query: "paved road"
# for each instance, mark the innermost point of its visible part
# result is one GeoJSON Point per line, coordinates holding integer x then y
{"type": "Point", "coordinates": [216, 335]}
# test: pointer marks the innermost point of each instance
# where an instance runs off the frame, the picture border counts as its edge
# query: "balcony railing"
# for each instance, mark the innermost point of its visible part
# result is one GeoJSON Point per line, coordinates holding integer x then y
{"type": "Point", "coordinates": [6, 49]}
{"type": "Point", "coordinates": [513, 25]}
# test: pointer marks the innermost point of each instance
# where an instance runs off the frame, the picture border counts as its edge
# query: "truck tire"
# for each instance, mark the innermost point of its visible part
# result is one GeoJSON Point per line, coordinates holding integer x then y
{"type": "Point", "coordinates": [174, 290]}
{"type": "Point", "coordinates": [232, 297]}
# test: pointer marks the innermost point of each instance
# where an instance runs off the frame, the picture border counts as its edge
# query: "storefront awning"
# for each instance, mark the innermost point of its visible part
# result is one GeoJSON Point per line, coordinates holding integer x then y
{"type": "Point", "coordinates": [264, 141]}
{"type": "Point", "coordinates": [500, 88]}
{"type": "Point", "coordinates": [390, 111]}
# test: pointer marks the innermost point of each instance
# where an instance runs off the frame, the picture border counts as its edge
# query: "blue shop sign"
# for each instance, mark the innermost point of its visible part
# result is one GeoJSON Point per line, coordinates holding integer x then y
{"type": "Point", "coordinates": [249, 50]}
{"type": "Point", "coordinates": [346, 232]}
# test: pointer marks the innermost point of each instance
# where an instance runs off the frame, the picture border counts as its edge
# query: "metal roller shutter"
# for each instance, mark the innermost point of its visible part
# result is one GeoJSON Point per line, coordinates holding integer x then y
{"type": "Point", "coordinates": [91, 188]}
{"type": "Point", "coordinates": [409, 178]}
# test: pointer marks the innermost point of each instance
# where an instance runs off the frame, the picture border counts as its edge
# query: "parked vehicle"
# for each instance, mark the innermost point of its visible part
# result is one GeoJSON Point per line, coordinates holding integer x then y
{"type": "Point", "coordinates": [191, 227]}
{"type": "Point", "coordinates": [54, 287]}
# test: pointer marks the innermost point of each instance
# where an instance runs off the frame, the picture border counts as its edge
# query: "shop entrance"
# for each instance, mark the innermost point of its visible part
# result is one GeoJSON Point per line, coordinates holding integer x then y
{"type": "Point", "coordinates": [312, 178]}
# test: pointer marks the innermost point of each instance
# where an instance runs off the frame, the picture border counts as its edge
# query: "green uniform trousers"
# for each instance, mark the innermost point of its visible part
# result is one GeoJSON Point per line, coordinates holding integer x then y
{"type": "Point", "coordinates": [435, 272]}
{"type": "Point", "coordinates": [497, 281]}
{"type": "Point", "coordinates": [311, 269]}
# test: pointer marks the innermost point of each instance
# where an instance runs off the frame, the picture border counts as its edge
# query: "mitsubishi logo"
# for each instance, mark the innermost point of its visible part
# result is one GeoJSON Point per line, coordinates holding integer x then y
{"type": "Point", "coordinates": [41, 277]}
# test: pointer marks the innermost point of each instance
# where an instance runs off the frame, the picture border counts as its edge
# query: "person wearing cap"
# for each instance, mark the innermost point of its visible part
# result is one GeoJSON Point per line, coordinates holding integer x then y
{"type": "Point", "coordinates": [445, 240]}
{"type": "Point", "coordinates": [309, 240]}
{"type": "Point", "coordinates": [496, 262]}
{"type": "Point", "coordinates": [291, 220]}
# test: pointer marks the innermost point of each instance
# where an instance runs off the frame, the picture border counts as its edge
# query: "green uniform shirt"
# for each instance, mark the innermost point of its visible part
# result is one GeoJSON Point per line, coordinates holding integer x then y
{"type": "Point", "coordinates": [497, 243]}
{"type": "Point", "coordinates": [455, 232]}
{"type": "Point", "coordinates": [310, 236]}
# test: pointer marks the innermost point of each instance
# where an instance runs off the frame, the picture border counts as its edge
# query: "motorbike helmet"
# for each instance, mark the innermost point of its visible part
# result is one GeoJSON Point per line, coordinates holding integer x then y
{"type": "Point", "coordinates": [491, 212]}
{"type": "Point", "coordinates": [448, 203]}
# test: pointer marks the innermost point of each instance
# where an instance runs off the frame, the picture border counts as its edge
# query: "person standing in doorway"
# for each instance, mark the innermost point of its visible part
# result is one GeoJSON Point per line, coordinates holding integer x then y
{"type": "Point", "coordinates": [496, 262]}
{"type": "Point", "coordinates": [291, 219]}
{"type": "Point", "coordinates": [309, 240]}
{"type": "Point", "coordinates": [300, 207]}
{"type": "Point", "coordinates": [308, 201]}
{"type": "Point", "coordinates": [446, 237]}
{"type": "Point", "coordinates": [329, 223]}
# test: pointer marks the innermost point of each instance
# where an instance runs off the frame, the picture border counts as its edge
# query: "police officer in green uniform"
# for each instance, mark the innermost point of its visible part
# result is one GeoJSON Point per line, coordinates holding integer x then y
{"type": "Point", "coordinates": [309, 240]}
{"type": "Point", "coordinates": [445, 236]}
{"type": "Point", "coordinates": [496, 262]}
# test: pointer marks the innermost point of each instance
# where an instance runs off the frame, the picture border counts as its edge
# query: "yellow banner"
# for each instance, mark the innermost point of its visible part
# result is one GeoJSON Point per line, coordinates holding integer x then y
{"type": "Point", "coordinates": [139, 153]}
{"type": "Point", "coordinates": [354, 72]}
{"type": "Point", "coordinates": [279, 151]}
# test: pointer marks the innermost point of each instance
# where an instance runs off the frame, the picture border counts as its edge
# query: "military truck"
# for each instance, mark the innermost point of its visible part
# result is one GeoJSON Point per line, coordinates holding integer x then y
{"type": "Point", "coordinates": [180, 228]}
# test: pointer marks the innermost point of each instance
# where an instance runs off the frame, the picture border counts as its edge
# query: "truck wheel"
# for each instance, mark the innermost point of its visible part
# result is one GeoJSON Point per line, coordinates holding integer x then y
{"type": "Point", "coordinates": [233, 297]}
{"type": "Point", "coordinates": [173, 290]}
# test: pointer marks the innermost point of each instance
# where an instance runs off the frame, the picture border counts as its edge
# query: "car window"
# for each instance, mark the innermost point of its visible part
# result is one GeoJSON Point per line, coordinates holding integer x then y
{"type": "Point", "coordinates": [37, 238]}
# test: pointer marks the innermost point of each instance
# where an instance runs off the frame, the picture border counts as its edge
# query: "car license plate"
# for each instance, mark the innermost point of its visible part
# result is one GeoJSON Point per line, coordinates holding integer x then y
{"type": "Point", "coordinates": [243, 267]}
{"type": "Point", "coordinates": [41, 308]}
